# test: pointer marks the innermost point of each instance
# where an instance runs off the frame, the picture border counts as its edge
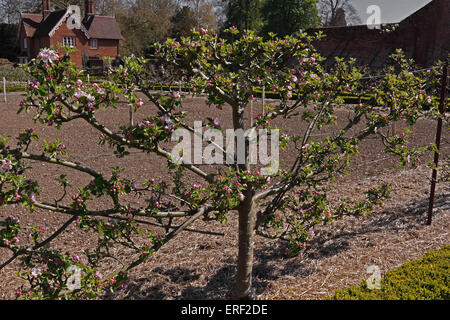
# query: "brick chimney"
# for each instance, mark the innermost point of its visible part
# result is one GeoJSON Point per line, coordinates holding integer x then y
{"type": "Point", "coordinates": [89, 8]}
{"type": "Point", "coordinates": [46, 8]}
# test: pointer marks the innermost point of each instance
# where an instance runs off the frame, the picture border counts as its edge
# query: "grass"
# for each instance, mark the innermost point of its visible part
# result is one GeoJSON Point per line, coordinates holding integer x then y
{"type": "Point", "coordinates": [423, 279]}
{"type": "Point", "coordinates": [16, 89]}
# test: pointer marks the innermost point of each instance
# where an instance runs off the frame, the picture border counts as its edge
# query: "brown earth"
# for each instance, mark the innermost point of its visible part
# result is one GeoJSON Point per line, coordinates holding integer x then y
{"type": "Point", "coordinates": [5, 62]}
{"type": "Point", "coordinates": [200, 266]}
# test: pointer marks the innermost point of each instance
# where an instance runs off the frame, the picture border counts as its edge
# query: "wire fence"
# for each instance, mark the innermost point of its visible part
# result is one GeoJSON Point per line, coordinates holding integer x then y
{"type": "Point", "coordinates": [170, 85]}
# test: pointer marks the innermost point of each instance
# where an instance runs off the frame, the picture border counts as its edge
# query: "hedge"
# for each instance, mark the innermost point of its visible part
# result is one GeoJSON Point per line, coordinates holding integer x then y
{"type": "Point", "coordinates": [12, 73]}
{"type": "Point", "coordinates": [423, 279]}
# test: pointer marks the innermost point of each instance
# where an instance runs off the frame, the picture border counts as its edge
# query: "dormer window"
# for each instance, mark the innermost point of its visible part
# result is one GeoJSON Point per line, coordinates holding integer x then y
{"type": "Point", "coordinates": [93, 44]}
{"type": "Point", "coordinates": [25, 43]}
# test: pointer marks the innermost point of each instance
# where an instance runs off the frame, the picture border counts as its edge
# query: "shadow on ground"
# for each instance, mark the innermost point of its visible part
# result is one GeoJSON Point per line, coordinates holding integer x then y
{"type": "Point", "coordinates": [268, 266]}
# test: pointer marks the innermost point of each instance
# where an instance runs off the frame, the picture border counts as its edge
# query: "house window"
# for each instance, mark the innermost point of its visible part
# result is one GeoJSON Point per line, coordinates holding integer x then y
{"type": "Point", "coordinates": [69, 41]}
{"type": "Point", "coordinates": [93, 44]}
{"type": "Point", "coordinates": [25, 43]}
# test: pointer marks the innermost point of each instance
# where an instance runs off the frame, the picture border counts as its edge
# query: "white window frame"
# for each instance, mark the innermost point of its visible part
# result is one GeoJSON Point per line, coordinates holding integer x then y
{"type": "Point", "coordinates": [69, 41]}
{"type": "Point", "coordinates": [93, 43]}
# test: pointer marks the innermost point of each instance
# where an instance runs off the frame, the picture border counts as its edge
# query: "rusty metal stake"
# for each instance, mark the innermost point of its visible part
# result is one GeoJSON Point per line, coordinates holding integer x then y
{"type": "Point", "coordinates": [442, 106]}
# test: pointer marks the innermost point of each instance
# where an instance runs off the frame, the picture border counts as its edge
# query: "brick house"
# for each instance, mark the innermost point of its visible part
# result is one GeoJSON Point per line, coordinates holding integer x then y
{"type": "Point", "coordinates": [424, 36]}
{"type": "Point", "coordinates": [96, 38]}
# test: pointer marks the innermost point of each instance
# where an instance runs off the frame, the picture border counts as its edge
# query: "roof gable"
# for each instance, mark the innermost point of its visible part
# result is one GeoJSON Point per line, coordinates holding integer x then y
{"type": "Point", "coordinates": [98, 27]}
{"type": "Point", "coordinates": [54, 18]}
{"type": "Point", "coordinates": [30, 22]}
{"type": "Point", "coordinates": [102, 27]}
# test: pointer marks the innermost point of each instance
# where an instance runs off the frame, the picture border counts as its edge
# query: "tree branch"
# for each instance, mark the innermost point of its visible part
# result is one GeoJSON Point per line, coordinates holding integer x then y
{"type": "Point", "coordinates": [18, 154]}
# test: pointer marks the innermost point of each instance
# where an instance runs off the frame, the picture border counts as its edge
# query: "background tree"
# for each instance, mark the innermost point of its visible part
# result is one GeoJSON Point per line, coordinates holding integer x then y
{"type": "Point", "coordinates": [194, 15]}
{"type": "Point", "coordinates": [243, 14]}
{"type": "Point", "coordinates": [284, 17]}
{"type": "Point", "coordinates": [183, 21]}
{"type": "Point", "coordinates": [204, 13]}
{"type": "Point", "coordinates": [338, 13]}
{"type": "Point", "coordinates": [8, 41]}
{"type": "Point", "coordinates": [10, 9]}
{"type": "Point", "coordinates": [109, 7]}
{"type": "Point", "coordinates": [143, 22]}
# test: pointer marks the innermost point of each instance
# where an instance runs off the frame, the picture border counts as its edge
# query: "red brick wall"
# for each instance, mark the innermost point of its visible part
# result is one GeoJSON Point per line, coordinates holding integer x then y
{"type": "Point", "coordinates": [39, 43]}
{"type": "Point", "coordinates": [106, 47]}
{"type": "Point", "coordinates": [424, 36]}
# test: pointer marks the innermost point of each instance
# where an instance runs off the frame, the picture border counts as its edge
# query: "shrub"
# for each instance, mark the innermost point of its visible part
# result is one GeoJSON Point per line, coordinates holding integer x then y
{"type": "Point", "coordinates": [423, 279]}
{"type": "Point", "coordinates": [13, 74]}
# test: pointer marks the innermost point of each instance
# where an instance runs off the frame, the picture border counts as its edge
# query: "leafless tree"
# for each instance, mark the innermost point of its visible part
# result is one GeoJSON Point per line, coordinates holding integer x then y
{"type": "Point", "coordinates": [10, 9]}
{"type": "Point", "coordinates": [338, 13]}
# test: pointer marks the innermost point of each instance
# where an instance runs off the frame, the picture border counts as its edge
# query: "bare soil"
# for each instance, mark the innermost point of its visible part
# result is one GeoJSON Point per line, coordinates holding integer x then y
{"type": "Point", "coordinates": [199, 266]}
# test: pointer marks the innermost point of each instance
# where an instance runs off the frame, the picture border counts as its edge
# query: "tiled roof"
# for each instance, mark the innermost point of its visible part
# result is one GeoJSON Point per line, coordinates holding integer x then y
{"type": "Point", "coordinates": [49, 23]}
{"type": "Point", "coordinates": [98, 27]}
{"type": "Point", "coordinates": [30, 22]}
{"type": "Point", "coordinates": [102, 27]}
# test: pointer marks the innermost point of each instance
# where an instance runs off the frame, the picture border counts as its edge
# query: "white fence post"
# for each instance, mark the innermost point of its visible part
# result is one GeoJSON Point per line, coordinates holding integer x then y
{"type": "Point", "coordinates": [263, 99]}
{"type": "Point", "coordinates": [251, 113]}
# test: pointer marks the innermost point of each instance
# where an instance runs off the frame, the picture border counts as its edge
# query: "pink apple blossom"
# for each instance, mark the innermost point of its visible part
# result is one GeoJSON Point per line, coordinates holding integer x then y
{"type": "Point", "coordinates": [216, 122]}
{"type": "Point", "coordinates": [175, 95]}
{"type": "Point", "coordinates": [34, 84]}
{"type": "Point", "coordinates": [227, 189]}
{"type": "Point", "coordinates": [139, 103]}
{"type": "Point", "coordinates": [36, 273]}
{"type": "Point", "coordinates": [48, 56]}
{"type": "Point", "coordinates": [5, 165]}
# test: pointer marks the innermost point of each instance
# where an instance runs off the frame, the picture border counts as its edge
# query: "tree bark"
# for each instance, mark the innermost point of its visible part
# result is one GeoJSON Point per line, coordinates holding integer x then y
{"type": "Point", "coordinates": [243, 289]}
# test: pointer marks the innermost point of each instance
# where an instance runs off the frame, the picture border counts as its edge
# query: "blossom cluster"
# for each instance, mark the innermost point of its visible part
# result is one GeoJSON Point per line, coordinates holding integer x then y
{"type": "Point", "coordinates": [48, 55]}
{"type": "Point", "coordinates": [6, 165]}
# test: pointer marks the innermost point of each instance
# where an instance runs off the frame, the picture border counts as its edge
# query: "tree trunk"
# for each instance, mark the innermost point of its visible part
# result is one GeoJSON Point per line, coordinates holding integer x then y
{"type": "Point", "coordinates": [243, 289]}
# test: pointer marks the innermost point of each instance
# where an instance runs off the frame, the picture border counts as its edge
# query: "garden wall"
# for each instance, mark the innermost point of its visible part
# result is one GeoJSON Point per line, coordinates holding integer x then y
{"type": "Point", "coordinates": [424, 36]}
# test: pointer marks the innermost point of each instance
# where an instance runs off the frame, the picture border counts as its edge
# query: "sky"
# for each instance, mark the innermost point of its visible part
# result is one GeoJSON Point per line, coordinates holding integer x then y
{"type": "Point", "coordinates": [391, 10]}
